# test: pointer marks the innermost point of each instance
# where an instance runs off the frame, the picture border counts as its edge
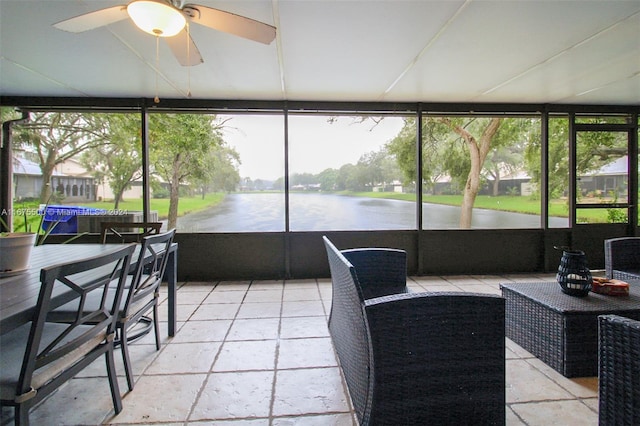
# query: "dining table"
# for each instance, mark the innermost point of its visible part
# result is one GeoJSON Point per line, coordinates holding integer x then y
{"type": "Point", "coordinates": [19, 291]}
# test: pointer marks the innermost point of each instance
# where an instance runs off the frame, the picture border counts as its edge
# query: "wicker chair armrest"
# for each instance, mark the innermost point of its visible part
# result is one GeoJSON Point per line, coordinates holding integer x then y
{"type": "Point", "coordinates": [621, 254]}
{"type": "Point", "coordinates": [619, 370]}
{"type": "Point", "coordinates": [380, 271]}
{"type": "Point", "coordinates": [450, 346]}
{"type": "Point", "coordinates": [632, 277]}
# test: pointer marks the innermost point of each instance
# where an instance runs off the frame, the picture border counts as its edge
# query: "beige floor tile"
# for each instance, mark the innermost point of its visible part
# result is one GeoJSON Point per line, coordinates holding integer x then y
{"type": "Point", "coordinates": [517, 350]}
{"type": "Point", "coordinates": [300, 294]}
{"type": "Point", "coordinates": [304, 353]}
{"type": "Point", "coordinates": [254, 329]}
{"type": "Point", "coordinates": [202, 331]}
{"type": "Point", "coordinates": [526, 383]}
{"type": "Point", "coordinates": [225, 297]}
{"type": "Point", "coordinates": [216, 311]}
{"type": "Point", "coordinates": [241, 422]}
{"type": "Point", "coordinates": [303, 309]}
{"type": "Point", "coordinates": [183, 312]}
{"type": "Point", "coordinates": [512, 419]}
{"type": "Point", "coordinates": [302, 283]}
{"type": "Point", "coordinates": [194, 286]}
{"type": "Point", "coordinates": [235, 395]}
{"type": "Point", "coordinates": [566, 413]}
{"type": "Point", "coordinates": [459, 280]}
{"type": "Point", "coordinates": [161, 399]}
{"type": "Point", "coordinates": [326, 420]}
{"type": "Point", "coordinates": [310, 391]}
{"type": "Point", "coordinates": [441, 287]}
{"type": "Point", "coordinates": [232, 286]}
{"type": "Point", "coordinates": [582, 387]}
{"type": "Point", "coordinates": [258, 296]}
{"type": "Point", "coordinates": [481, 288]}
{"type": "Point", "coordinates": [243, 356]}
{"type": "Point", "coordinates": [178, 358]}
{"type": "Point", "coordinates": [267, 284]}
{"type": "Point", "coordinates": [192, 297]}
{"type": "Point", "coordinates": [260, 310]}
{"type": "Point", "coordinates": [295, 327]}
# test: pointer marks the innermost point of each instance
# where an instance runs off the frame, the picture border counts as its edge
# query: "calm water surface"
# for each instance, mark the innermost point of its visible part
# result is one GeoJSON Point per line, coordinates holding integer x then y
{"type": "Point", "coordinates": [265, 212]}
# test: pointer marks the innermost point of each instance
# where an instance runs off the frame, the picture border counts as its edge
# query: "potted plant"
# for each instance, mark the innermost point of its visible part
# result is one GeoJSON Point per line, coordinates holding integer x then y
{"type": "Point", "coordinates": [15, 250]}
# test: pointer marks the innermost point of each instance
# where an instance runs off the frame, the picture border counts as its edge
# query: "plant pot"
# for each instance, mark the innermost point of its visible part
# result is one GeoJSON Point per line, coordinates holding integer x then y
{"type": "Point", "coordinates": [15, 250]}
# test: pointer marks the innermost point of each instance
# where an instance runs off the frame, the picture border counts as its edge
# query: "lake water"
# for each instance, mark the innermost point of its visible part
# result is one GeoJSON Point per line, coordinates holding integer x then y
{"type": "Point", "coordinates": [265, 212]}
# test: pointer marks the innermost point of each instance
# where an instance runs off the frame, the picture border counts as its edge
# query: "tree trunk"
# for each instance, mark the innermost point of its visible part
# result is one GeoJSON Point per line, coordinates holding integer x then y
{"type": "Point", "coordinates": [496, 185]}
{"type": "Point", "coordinates": [118, 197]}
{"type": "Point", "coordinates": [477, 153]}
{"type": "Point", "coordinates": [46, 190]}
{"type": "Point", "coordinates": [174, 195]}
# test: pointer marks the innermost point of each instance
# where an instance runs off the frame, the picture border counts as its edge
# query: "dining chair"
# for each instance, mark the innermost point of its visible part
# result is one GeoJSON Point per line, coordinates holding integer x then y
{"type": "Point", "coordinates": [127, 231]}
{"type": "Point", "coordinates": [39, 356]}
{"type": "Point", "coordinates": [141, 297]}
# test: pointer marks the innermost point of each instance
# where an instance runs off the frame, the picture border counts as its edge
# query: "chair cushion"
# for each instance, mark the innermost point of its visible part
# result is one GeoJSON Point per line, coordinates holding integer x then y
{"type": "Point", "coordinates": [13, 345]}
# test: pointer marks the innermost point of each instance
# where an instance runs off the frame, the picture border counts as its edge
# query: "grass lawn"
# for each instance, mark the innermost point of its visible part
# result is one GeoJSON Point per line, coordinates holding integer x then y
{"type": "Point", "coordinates": [516, 204]}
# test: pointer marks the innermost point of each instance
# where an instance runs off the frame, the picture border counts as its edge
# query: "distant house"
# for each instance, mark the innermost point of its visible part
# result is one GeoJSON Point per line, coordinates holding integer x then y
{"type": "Point", "coordinates": [612, 178]}
{"type": "Point", "coordinates": [70, 180]}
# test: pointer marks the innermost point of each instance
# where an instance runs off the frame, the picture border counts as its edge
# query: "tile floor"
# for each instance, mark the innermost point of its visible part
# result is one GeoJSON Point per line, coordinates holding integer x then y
{"type": "Point", "coordinates": [259, 353]}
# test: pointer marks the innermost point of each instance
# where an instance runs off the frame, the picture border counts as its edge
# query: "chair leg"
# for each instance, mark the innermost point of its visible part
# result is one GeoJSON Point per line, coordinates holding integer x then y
{"type": "Point", "coordinates": [21, 415]}
{"type": "Point", "coordinates": [125, 356]}
{"type": "Point", "coordinates": [156, 325]}
{"type": "Point", "coordinates": [113, 381]}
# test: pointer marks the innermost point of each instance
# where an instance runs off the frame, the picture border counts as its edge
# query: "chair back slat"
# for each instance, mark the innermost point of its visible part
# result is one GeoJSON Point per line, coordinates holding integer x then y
{"type": "Point", "coordinates": [127, 231]}
{"type": "Point", "coordinates": [152, 263]}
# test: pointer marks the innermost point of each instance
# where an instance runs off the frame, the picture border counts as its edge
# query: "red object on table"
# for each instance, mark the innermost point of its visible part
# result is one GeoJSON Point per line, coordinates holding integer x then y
{"type": "Point", "coordinates": [610, 287]}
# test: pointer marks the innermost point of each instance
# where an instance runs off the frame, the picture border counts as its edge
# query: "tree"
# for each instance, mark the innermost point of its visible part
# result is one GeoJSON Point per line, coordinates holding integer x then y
{"type": "Point", "coordinates": [180, 146]}
{"type": "Point", "coordinates": [220, 170]}
{"type": "Point", "coordinates": [456, 146]}
{"type": "Point", "coordinates": [120, 160]}
{"type": "Point", "coordinates": [593, 150]}
{"type": "Point", "coordinates": [56, 137]}
{"type": "Point", "coordinates": [478, 149]}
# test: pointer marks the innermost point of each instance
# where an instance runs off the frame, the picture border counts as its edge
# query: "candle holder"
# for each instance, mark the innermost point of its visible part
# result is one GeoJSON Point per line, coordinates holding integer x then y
{"type": "Point", "coordinates": [573, 274]}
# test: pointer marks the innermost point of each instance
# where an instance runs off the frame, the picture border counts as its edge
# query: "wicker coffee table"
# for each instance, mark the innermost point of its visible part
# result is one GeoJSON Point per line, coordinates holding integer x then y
{"type": "Point", "coordinates": [559, 329]}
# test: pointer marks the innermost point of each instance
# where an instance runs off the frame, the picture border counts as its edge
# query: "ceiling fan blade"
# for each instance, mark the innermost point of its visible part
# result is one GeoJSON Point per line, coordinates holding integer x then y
{"type": "Point", "coordinates": [187, 55]}
{"type": "Point", "coordinates": [92, 20]}
{"type": "Point", "coordinates": [230, 23]}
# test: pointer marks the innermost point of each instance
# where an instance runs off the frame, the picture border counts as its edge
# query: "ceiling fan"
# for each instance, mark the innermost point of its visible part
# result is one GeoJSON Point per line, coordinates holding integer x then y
{"type": "Point", "coordinates": [168, 19]}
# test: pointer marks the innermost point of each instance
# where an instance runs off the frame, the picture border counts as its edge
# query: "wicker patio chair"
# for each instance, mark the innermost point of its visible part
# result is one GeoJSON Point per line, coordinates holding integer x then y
{"type": "Point", "coordinates": [381, 271]}
{"type": "Point", "coordinates": [417, 358]}
{"type": "Point", "coordinates": [40, 356]}
{"type": "Point", "coordinates": [619, 370]}
{"type": "Point", "coordinates": [622, 258]}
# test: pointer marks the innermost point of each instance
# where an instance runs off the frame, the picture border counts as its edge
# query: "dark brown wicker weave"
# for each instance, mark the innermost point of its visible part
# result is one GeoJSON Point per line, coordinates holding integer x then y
{"type": "Point", "coordinates": [619, 370]}
{"type": "Point", "coordinates": [622, 258]}
{"type": "Point", "coordinates": [559, 329]}
{"type": "Point", "coordinates": [417, 358]}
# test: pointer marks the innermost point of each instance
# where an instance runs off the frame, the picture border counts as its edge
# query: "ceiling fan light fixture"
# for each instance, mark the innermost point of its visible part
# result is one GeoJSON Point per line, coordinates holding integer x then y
{"type": "Point", "coordinates": [156, 17]}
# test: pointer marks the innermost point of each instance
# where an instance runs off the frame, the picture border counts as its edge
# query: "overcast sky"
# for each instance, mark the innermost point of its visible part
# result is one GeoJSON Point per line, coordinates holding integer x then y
{"type": "Point", "coordinates": [315, 144]}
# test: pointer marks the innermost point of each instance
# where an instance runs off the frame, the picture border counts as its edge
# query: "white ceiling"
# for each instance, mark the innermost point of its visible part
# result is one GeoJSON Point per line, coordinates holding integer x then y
{"type": "Point", "coordinates": [578, 52]}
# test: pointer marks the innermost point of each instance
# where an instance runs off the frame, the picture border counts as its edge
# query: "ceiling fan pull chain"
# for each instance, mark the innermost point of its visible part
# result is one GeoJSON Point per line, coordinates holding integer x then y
{"type": "Point", "coordinates": [188, 61]}
{"type": "Point", "coordinates": [157, 99]}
